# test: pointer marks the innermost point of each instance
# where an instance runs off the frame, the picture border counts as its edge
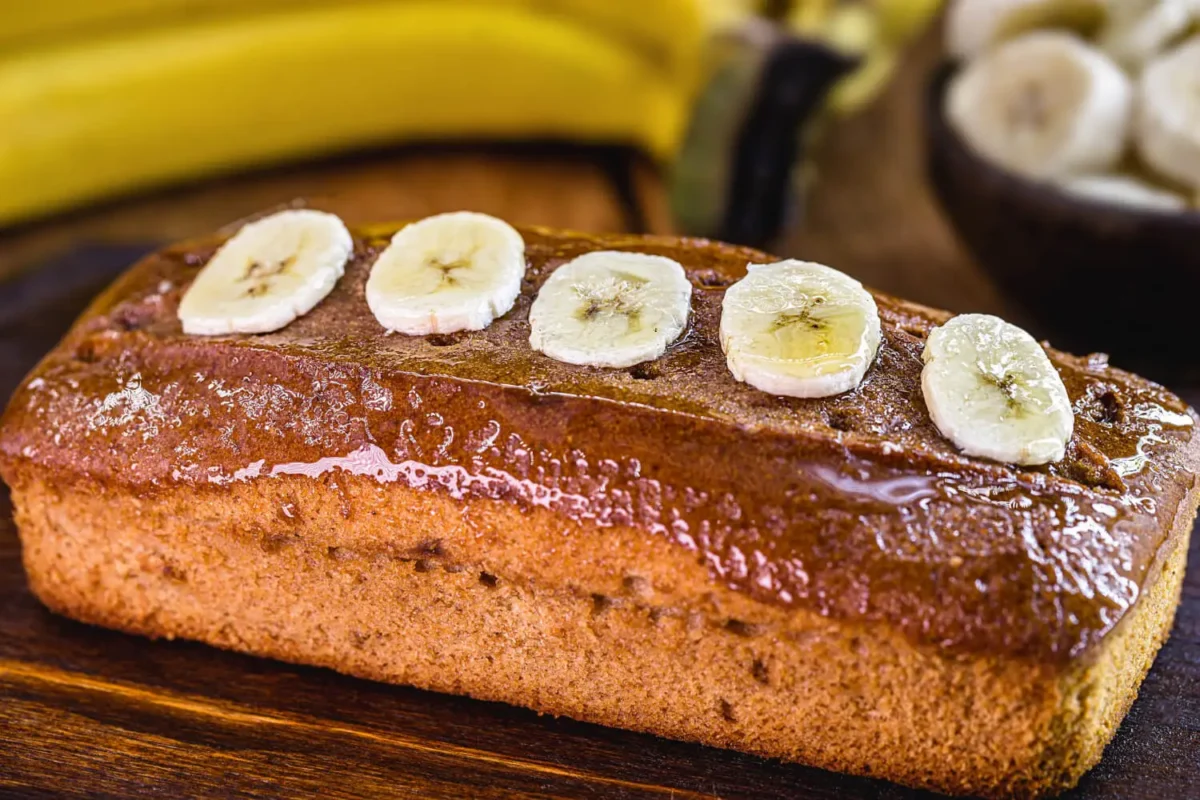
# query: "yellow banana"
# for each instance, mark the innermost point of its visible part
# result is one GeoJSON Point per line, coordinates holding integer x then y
{"type": "Point", "coordinates": [89, 118]}
{"type": "Point", "coordinates": [665, 30]}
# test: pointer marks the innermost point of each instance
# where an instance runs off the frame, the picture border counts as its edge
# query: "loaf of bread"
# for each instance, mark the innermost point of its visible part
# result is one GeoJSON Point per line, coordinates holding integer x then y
{"type": "Point", "coordinates": [660, 548]}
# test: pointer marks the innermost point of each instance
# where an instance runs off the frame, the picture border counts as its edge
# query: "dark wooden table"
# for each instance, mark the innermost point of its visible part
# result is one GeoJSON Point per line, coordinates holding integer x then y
{"type": "Point", "coordinates": [87, 712]}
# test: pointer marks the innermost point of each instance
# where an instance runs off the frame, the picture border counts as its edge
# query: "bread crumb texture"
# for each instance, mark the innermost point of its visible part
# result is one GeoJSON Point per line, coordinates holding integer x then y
{"type": "Point", "coordinates": [613, 628]}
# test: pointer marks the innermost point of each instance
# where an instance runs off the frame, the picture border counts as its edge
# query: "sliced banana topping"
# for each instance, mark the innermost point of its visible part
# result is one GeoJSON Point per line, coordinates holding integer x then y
{"type": "Point", "coordinates": [1168, 125]}
{"type": "Point", "coordinates": [610, 309]}
{"type": "Point", "coordinates": [1124, 191]}
{"type": "Point", "coordinates": [991, 389]}
{"type": "Point", "coordinates": [1139, 30]}
{"type": "Point", "coordinates": [446, 273]}
{"type": "Point", "coordinates": [799, 329]}
{"type": "Point", "coordinates": [1043, 105]}
{"type": "Point", "coordinates": [270, 272]}
{"type": "Point", "coordinates": [973, 26]}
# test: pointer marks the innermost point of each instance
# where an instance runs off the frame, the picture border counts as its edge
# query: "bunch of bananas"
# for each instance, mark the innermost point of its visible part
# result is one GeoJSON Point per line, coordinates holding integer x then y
{"type": "Point", "coordinates": [98, 98]}
{"type": "Point", "coordinates": [101, 98]}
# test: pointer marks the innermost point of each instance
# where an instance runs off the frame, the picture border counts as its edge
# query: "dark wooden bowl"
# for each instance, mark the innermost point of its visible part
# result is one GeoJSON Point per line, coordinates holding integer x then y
{"type": "Point", "coordinates": [1093, 277]}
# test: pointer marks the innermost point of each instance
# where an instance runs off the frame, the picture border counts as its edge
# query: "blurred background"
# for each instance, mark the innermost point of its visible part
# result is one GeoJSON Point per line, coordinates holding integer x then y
{"type": "Point", "coordinates": [811, 128]}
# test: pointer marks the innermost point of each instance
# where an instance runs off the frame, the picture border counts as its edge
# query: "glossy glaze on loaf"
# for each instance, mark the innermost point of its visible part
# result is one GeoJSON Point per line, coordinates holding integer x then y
{"type": "Point", "coordinates": [852, 506]}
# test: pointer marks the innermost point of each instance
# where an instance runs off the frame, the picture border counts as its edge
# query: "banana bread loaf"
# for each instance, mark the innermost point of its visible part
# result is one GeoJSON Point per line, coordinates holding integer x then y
{"type": "Point", "coordinates": [660, 547]}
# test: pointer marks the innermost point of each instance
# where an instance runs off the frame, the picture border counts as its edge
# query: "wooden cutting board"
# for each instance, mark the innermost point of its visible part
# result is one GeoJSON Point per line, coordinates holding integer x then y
{"type": "Point", "coordinates": [88, 712]}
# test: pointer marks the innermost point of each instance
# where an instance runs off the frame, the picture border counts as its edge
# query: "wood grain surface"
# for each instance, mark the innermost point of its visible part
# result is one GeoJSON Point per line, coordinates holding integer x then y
{"type": "Point", "coordinates": [88, 712]}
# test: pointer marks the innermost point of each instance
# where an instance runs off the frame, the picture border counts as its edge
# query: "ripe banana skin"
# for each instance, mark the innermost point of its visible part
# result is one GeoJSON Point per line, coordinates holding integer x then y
{"type": "Point", "coordinates": [663, 29]}
{"type": "Point", "coordinates": [86, 117]}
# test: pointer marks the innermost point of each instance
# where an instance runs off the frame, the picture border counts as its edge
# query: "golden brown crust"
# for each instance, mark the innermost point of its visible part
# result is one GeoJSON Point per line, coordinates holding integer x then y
{"type": "Point", "coordinates": [616, 642]}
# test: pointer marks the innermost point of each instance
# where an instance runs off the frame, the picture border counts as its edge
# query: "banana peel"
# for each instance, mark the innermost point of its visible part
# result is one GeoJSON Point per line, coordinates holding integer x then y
{"type": "Point", "coordinates": [665, 31]}
{"type": "Point", "coordinates": [86, 119]}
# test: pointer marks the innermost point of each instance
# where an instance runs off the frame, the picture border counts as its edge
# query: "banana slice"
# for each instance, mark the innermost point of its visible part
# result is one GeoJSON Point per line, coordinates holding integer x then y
{"type": "Point", "coordinates": [1043, 105]}
{"type": "Point", "coordinates": [270, 272]}
{"type": "Point", "coordinates": [1168, 124]}
{"type": "Point", "coordinates": [1124, 191]}
{"type": "Point", "coordinates": [610, 309]}
{"type": "Point", "coordinates": [1138, 30]}
{"type": "Point", "coordinates": [991, 389]}
{"type": "Point", "coordinates": [446, 273]}
{"type": "Point", "coordinates": [799, 329]}
{"type": "Point", "coordinates": [973, 26]}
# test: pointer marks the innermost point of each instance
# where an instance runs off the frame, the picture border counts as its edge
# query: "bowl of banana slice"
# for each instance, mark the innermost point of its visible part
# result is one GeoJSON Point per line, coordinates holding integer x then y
{"type": "Point", "coordinates": [1063, 142]}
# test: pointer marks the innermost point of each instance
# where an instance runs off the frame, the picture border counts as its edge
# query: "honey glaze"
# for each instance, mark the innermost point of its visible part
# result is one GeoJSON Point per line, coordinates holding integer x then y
{"type": "Point", "coordinates": [852, 506]}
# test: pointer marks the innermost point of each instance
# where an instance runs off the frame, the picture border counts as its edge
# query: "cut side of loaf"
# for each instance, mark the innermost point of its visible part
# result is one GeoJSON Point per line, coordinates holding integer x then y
{"type": "Point", "coordinates": [659, 548]}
